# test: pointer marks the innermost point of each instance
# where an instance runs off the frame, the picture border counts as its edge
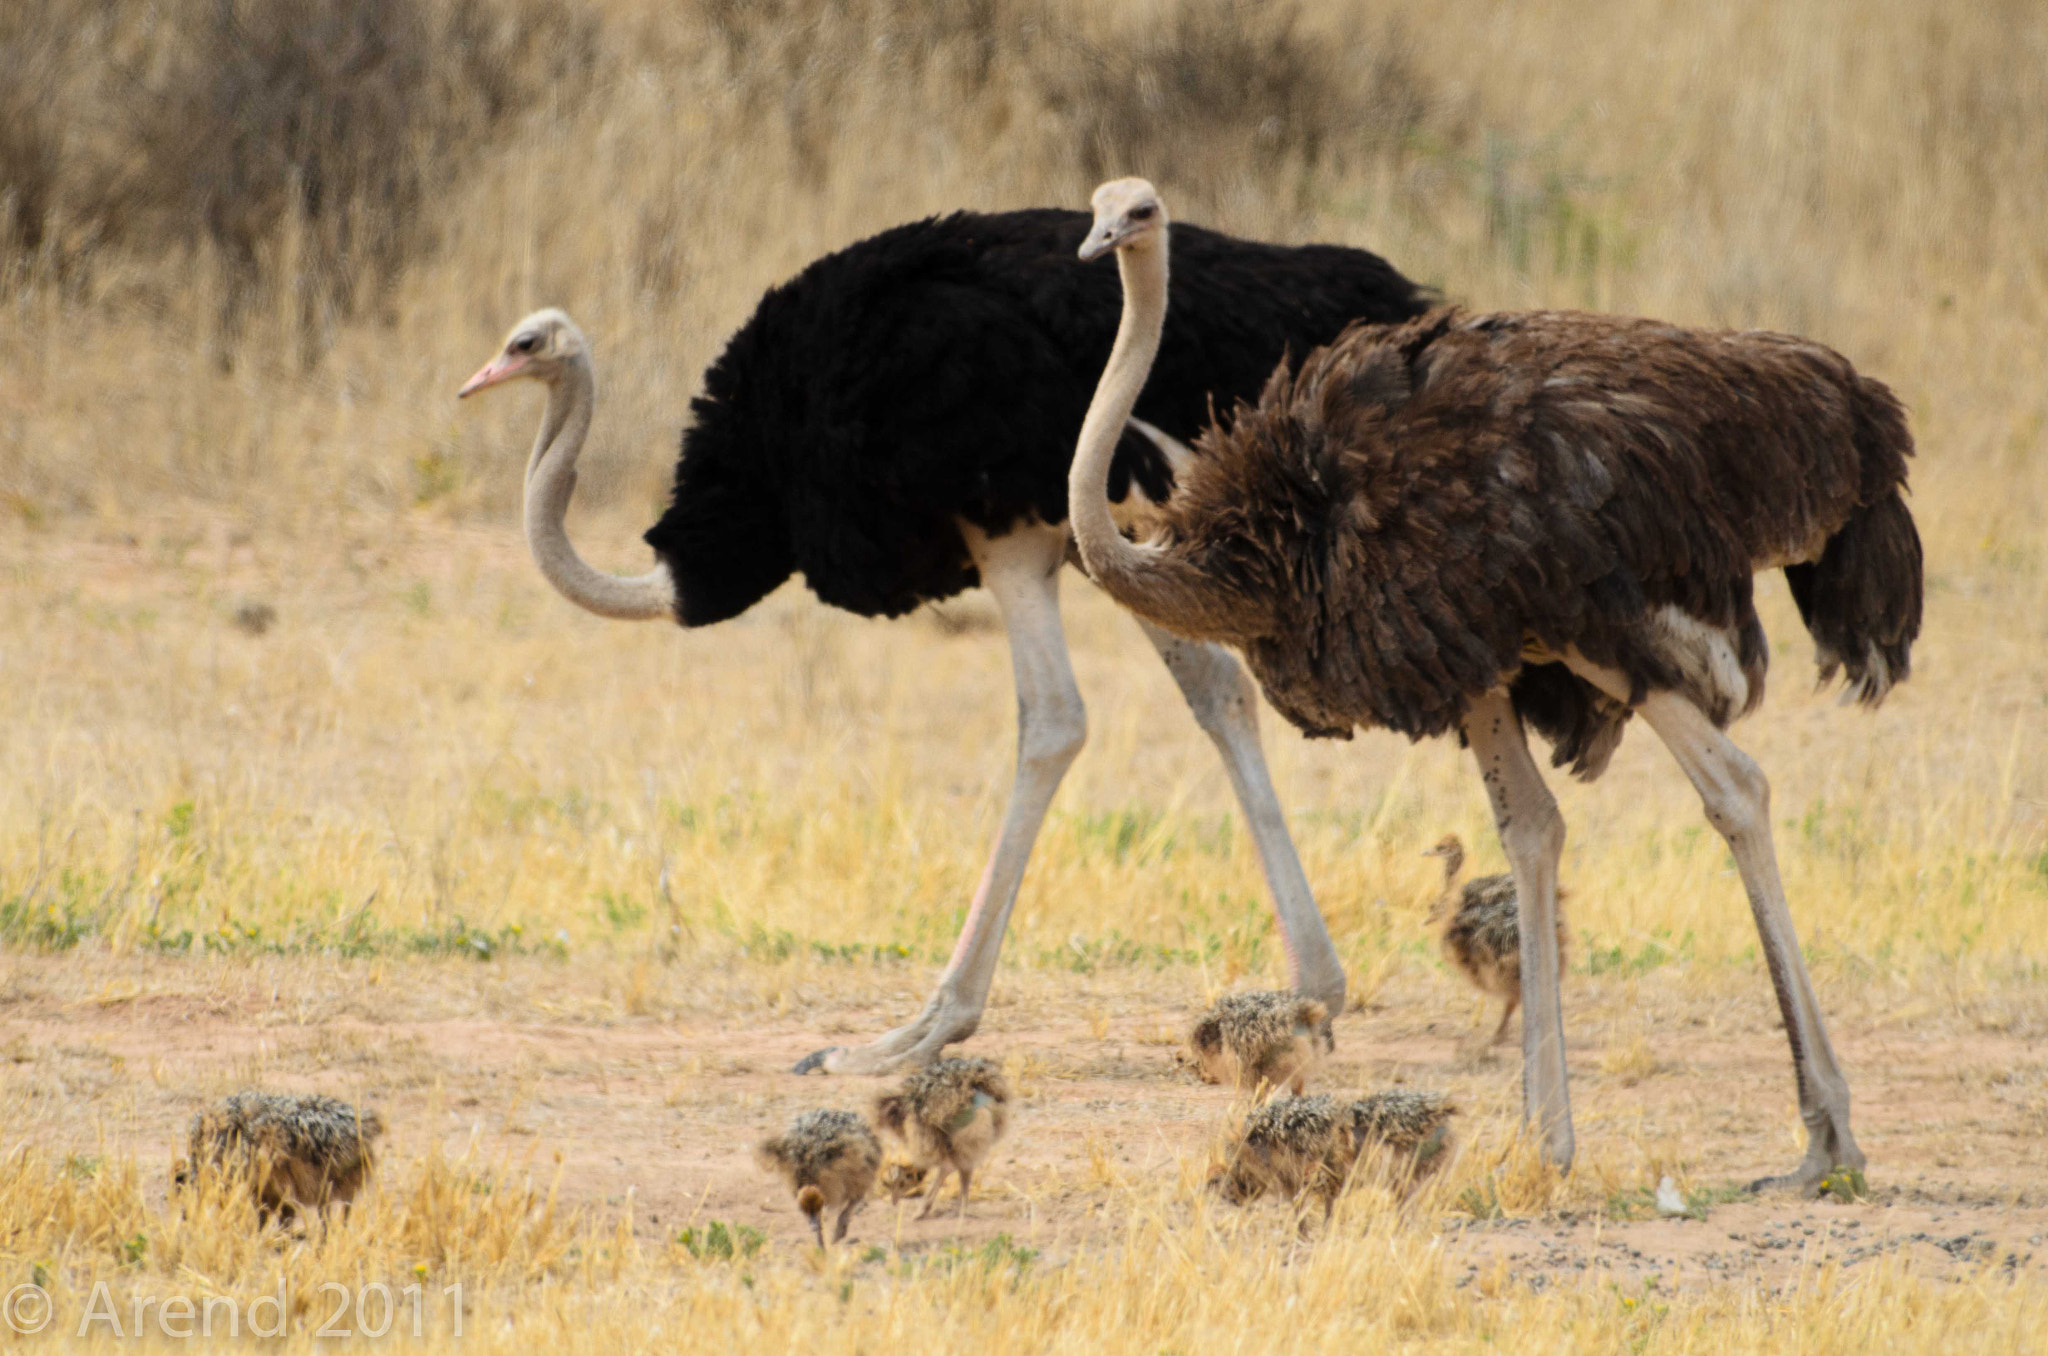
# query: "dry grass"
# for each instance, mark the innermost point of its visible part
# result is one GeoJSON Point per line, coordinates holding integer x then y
{"type": "Point", "coordinates": [426, 763]}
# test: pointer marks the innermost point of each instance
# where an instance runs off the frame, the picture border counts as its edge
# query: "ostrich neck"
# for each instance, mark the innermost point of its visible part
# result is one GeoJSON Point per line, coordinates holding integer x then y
{"type": "Point", "coordinates": [1148, 579]}
{"type": "Point", "coordinates": [550, 483]}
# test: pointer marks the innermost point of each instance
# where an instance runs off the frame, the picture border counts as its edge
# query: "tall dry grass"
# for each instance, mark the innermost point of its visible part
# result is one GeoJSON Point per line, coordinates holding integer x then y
{"type": "Point", "coordinates": [1185, 1277]}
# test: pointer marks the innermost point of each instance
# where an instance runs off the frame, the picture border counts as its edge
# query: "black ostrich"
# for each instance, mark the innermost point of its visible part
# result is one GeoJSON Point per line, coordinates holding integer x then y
{"type": "Point", "coordinates": [896, 423]}
{"type": "Point", "coordinates": [1466, 520]}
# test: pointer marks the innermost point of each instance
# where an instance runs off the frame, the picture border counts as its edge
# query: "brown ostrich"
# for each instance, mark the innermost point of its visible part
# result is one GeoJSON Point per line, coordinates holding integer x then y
{"type": "Point", "coordinates": [1468, 519]}
{"type": "Point", "coordinates": [894, 425]}
{"type": "Point", "coordinates": [1264, 1039]}
{"type": "Point", "coordinates": [829, 1159]}
{"type": "Point", "coordinates": [1480, 935]}
{"type": "Point", "coordinates": [950, 1114]}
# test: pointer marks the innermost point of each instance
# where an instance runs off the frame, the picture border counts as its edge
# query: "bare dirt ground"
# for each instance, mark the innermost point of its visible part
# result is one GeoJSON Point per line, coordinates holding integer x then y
{"type": "Point", "coordinates": [536, 1067]}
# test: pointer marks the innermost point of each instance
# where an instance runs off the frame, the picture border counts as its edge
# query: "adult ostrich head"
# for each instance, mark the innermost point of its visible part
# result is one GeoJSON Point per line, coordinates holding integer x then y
{"type": "Point", "coordinates": [1128, 212]}
{"type": "Point", "coordinates": [538, 347]}
{"type": "Point", "coordinates": [1162, 586]}
{"type": "Point", "coordinates": [548, 348]}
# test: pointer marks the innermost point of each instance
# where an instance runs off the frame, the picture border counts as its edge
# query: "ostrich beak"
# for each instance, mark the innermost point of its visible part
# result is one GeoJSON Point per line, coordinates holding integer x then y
{"type": "Point", "coordinates": [1101, 240]}
{"type": "Point", "coordinates": [491, 373]}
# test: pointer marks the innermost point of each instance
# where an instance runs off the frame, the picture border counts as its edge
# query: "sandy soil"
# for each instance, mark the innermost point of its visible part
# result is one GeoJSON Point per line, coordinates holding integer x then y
{"type": "Point", "coordinates": [527, 1064]}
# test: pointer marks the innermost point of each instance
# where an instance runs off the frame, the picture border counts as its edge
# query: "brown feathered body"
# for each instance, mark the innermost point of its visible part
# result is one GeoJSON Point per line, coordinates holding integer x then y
{"type": "Point", "coordinates": [1313, 1146]}
{"type": "Point", "coordinates": [1419, 511]}
{"type": "Point", "coordinates": [295, 1151]}
{"type": "Point", "coordinates": [1482, 932]}
{"type": "Point", "coordinates": [829, 1159]}
{"type": "Point", "coordinates": [949, 1114]}
{"type": "Point", "coordinates": [1268, 1039]}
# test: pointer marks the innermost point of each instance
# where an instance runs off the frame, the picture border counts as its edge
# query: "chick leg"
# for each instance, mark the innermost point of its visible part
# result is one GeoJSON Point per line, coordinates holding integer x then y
{"type": "Point", "coordinates": [1500, 1033]}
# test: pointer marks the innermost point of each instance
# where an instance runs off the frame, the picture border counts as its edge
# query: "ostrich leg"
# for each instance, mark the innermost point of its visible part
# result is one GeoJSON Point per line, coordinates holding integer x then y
{"type": "Point", "coordinates": [1022, 571]}
{"type": "Point", "coordinates": [1220, 693]}
{"type": "Point", "coordinates": [1737, 799]}
{"type": "Point", "coordinates": [1738, 804]}
{"type": "Point", "coordinates": [1532, 833]}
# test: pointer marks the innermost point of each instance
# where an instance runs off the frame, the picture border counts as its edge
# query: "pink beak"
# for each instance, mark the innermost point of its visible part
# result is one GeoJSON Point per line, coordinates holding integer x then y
{"type": "Point", "coordinates": [491, 373]}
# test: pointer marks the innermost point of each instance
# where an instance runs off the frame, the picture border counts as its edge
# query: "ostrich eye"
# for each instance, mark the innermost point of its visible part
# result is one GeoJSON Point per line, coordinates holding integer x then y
{"type": "Point", "coordinates": [525, 343]}
{"type": "Point", "coordinates": [1144, 213]}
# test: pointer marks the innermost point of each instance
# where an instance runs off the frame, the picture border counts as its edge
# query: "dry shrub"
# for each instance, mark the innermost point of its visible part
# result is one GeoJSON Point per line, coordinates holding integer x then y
{"type": "Point", "coordinates": [307, 140]}
{"type": "Point", "coordinates": [305, 144]}
{"type": "Point", "coordinates": [58, 197]}
{"type": "Point", "coordinates": [312, 151]}
{"type": "Point", "coordinates": [29, 146]}
{"type": "Point", "coordinates": [1161, 101]}
{"type": "Point", "coordinates": [1215, 83]}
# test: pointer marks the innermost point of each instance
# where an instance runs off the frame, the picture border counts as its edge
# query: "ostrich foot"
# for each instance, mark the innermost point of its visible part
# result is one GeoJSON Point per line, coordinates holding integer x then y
{"type": "Point", "coordinates": [1831, 1154]}
{"type": "Point", "coordinates": [1803, 1181]}
{"type": "Point", "coordinates": [943, 1022]}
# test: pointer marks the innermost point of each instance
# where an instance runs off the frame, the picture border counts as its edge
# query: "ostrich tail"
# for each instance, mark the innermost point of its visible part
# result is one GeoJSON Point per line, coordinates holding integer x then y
{"type": "Point", "coordinates": [1861, 600]}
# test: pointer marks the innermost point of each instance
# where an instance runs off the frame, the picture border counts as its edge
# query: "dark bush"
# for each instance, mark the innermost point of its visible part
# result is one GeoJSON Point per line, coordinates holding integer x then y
{"type": "Point", "coordinates": [1162, 101]}
{"type": "Point", "coordinates": [339, 120]}
{"type": "Point", "coordinates": [254, 124]}
{"type": "Point", "coordinates": [29, 151]}
{"type": "Point", "coordinates": [307, 144]}
{"type": "Point", "coordinates": [51, 184]}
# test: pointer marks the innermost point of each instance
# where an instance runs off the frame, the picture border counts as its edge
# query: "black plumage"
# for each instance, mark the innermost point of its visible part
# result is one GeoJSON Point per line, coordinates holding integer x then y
{"type": "Point", "coordinates": [940, 370]}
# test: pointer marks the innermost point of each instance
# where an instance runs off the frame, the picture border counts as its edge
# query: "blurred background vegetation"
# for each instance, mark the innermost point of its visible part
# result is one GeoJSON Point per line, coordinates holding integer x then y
{"type": "Point", "coordinates": [233, 227]}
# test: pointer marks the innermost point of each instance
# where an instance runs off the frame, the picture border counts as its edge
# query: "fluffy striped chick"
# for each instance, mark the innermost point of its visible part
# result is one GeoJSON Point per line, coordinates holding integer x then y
{"type": "Point", "coordinates": [296, 1152]}
{"type": "Point", "coordinates": [1313, 1146]}
{"type": "Point", "coordinates": [1401, 1135]}
{"type": "Point", "coordinates": [1266, 1039]}
{"type": "Point", "coordinates": [949, 1114]}
{"type": "Point", "coordinates": [829, 1159]}
{"type": "Point", "coordinates": [1482, 933]}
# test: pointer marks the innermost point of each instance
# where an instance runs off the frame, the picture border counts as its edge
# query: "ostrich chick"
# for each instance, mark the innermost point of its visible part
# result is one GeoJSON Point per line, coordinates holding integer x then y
{"type": "Point", "coordinates": [950, 1114]}
{"type": "Point", "coordinates": [1312, 1145]}
{"type": "Point", "coordinates": [829, 1158]}
{"type": "Point", "coordinates": [1402, 1133]}
{"type": "Point", "coordinates": [1481, 933]}
{"type": "Point", "coordinates": [296, 1152]}
{"type": "Point", "coordinates": [1266, 1038]}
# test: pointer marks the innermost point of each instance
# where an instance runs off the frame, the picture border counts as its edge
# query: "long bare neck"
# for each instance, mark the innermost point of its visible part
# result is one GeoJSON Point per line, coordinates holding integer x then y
{"type": "Point", "coordinates": [1149, 579]}
{"type": "Point", "coordinates": [550, 483]}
